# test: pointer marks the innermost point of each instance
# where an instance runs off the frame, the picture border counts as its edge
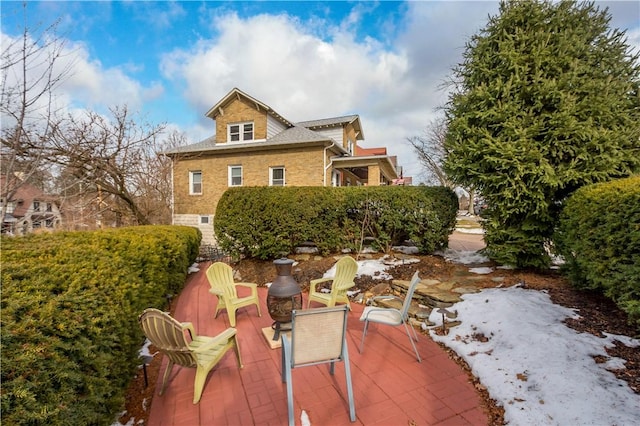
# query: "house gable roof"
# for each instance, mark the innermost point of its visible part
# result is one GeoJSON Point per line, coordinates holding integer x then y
{"type": "Point", "coordinates": [24, 196]}
{"type": "Point", "coordinates": [335, 122]}
{"type": "Point", "coordinates": [304, 132]}
{"type": "Point", "coordinates": [298, 133]}
{"type": "Point", "coordinates": [236, 93]}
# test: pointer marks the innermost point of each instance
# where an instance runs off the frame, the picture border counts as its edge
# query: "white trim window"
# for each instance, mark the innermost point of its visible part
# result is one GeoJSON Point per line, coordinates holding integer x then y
{"type": "Point", "coordinates": [195, 182]}
{"type": "Point", "coordinates": [235, 175]}
{"type": "Point", "coordinates": [204, 220]}
{"type": "Point", "coordinates": [240, 132]}
{"type": "Point", "coordinates": [276, 176]}
{"type": "Point", "coordinates": [350, 146]}
{"type": "Point", "coordinates": [335, 178]}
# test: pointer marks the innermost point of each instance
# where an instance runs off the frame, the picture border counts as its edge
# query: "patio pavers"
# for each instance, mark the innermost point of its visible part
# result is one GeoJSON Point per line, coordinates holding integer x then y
{"type": "Point", "coordinates": [390, 386]}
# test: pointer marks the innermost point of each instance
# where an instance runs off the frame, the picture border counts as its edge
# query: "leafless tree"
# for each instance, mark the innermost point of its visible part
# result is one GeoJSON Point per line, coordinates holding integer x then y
{"type": "Point", "coordinates": [156, 176]}
{"type": "Point", "coordinates": [31, 70]}
{"type": "Point", "coordinates": [115, 159]}
{"type": "Point", "coordinates": [430, 150]}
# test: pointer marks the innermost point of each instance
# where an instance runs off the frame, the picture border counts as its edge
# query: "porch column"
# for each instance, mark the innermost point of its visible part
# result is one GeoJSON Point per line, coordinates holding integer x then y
{"type": "Point", "coordinates": [373, 175]}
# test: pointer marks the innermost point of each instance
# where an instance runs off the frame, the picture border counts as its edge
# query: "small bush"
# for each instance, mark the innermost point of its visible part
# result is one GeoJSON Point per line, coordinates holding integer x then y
{"type": "Point", "coordinates": [599, 237]}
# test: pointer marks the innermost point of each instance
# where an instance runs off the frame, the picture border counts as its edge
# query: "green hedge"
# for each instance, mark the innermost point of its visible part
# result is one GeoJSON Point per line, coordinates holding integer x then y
{"type": "Point", "coordinates": [599, 238]}
{"type": "Point", "coordinates": [70, 303]}
{"type": "Point", "coordinates": [268, 222]}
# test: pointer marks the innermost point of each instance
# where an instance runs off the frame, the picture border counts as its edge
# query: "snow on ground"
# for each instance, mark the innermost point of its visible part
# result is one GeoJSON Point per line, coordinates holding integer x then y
{"type": "Point", "coordinates": [470, 230]}
{"type": "Point", "coordinates": [541, 371]}
{"type": "Point", "coordinates": [464, 257]}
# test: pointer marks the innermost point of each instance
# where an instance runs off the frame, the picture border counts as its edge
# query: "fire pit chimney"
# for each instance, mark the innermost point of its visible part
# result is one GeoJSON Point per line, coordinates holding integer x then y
{"type": "Point", "coordinates": [283, 297]}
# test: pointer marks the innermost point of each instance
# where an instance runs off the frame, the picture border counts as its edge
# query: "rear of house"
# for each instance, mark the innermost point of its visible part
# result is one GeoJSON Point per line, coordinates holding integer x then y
{"type": "Point", "coordinates": [253, 145]}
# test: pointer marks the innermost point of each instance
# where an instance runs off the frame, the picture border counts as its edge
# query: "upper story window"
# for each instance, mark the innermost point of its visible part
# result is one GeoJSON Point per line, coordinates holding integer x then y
{"type": "Point", "coordinates": [49, 207]}
{"type": "Point", "coordinates": [276, 176]}
{"type": "Point", "coordinates": [240, 132]}
{"type": "Point", "coordinates": [235, 175]}
{"type": "Point", "coordinates": [350, 146]}
{"type": "Point", "coordinates": [195, 182]}
{"type": "Point", "coordinates": [36, 206]}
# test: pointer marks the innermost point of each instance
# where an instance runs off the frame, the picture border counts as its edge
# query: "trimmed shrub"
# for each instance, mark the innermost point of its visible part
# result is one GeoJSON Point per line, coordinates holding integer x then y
{"type": "Point", "coordinates": [599, 237]}
{"type": "Point", "coordinates": [70, 303]}
{"type": "Point", "coordinates": [268, 222]}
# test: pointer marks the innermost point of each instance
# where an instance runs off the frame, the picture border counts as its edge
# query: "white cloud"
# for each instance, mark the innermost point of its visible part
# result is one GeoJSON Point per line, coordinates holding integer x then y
{"type": "Point", "coordinates": [86, 83]}
{"type": "Point", "coordinates": [277, 60]}
{"type": "Point", "coordinates": [92, 84]}
{"type": "Point", "coordinates": [305, 72]}
{"type": "Point", "coordinates": [303, 69]}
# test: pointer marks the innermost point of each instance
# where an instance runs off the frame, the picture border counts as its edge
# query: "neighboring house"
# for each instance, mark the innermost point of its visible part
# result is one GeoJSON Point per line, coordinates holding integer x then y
{"type": "Point", "coordinates": [253, 145]}
{"type": "Point", "coordinates": [29, 209]}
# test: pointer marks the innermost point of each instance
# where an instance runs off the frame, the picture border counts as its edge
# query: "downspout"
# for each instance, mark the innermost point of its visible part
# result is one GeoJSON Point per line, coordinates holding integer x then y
{"type": "Point", "coordinates": [324, 162]}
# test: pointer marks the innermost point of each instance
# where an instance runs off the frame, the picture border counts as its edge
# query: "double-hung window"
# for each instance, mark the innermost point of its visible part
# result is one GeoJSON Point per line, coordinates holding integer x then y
{"type": "Point", "coordinates": [235, 175]}
{"type": "Point", "coordinates": [240, 132]}
{"type": "Point", "coordinates": [195, 182]}
{"type": "Point", "coordinates": [276, 176]}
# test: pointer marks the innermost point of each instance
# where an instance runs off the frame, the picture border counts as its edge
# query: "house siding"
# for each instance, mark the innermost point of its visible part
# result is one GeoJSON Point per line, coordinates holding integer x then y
{"type": "Point", "coordinates": [336, 134]}
{"type": "Point", "coordinates": [349, 133]}
{"type": "Point", "coordinates": [303, 167]}
{"type": "Point", "coordinates": [240, 111]}
{"type": "Point", "coordinates": [308, 159]}
{"type": "Point", "coordinates": [274, 127]}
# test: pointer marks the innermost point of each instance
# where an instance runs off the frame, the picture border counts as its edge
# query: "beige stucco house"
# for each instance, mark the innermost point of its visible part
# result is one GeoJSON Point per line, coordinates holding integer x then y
{"type": "Point", "coordinates": [253, 145]}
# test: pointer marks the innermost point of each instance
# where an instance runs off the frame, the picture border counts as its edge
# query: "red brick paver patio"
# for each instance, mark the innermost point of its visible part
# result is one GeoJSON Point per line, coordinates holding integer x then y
{"type": "Point", "coordinates": [390, 386]}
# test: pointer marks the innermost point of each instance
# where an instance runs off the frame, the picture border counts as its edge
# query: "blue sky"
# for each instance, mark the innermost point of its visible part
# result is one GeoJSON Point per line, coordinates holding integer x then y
{"type": "Point", "coordinates": [171, 61]}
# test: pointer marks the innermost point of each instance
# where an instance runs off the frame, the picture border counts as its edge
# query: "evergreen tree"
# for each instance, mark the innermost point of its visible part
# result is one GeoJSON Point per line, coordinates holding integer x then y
{"type": "Point", "coordinates": [547, 100]}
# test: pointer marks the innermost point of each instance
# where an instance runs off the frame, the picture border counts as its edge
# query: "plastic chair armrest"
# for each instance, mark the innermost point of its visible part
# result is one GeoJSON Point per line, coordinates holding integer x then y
{"type": "Point", "coordinates": [218, 340]}
{"type": "Point", "coordinates": [250, 285]}
{"type": "Point", "coordinates": [313, 283]}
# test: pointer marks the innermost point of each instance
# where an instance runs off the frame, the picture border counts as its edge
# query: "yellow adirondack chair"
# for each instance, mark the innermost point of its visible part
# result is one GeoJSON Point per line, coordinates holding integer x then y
{"type": "Point", "coordinates": [220, 276]}
{"type": "Point", "coordinates": [179, 342]}
{"type": "Point", "coordinates": [346, 269]}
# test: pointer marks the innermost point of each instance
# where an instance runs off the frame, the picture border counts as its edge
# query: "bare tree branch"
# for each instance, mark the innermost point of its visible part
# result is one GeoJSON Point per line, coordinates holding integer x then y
{"type": "Point", "coordinates": [113, 156]}
{"type": "Point", "coordinates": [30, 74]}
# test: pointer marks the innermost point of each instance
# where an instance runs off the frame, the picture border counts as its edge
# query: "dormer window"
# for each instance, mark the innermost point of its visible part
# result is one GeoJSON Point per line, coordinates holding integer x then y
{"type": "Point", "coordinates": [240, 132]}
{"type": "Point", "coordinates": [350, 146]}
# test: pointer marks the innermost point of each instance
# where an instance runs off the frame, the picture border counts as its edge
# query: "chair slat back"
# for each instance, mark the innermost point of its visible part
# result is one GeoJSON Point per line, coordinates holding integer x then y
{"type": "Point", "coordinates": [220, 276]}
{"type": "Point", "coordinates": [167, 334]}
{"type": "Point", "coordinates": [317, 335]}
{"type": "Point", "coordinates": [346, 270]}
{"type": "Point", "coordinates": [407, 300]}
